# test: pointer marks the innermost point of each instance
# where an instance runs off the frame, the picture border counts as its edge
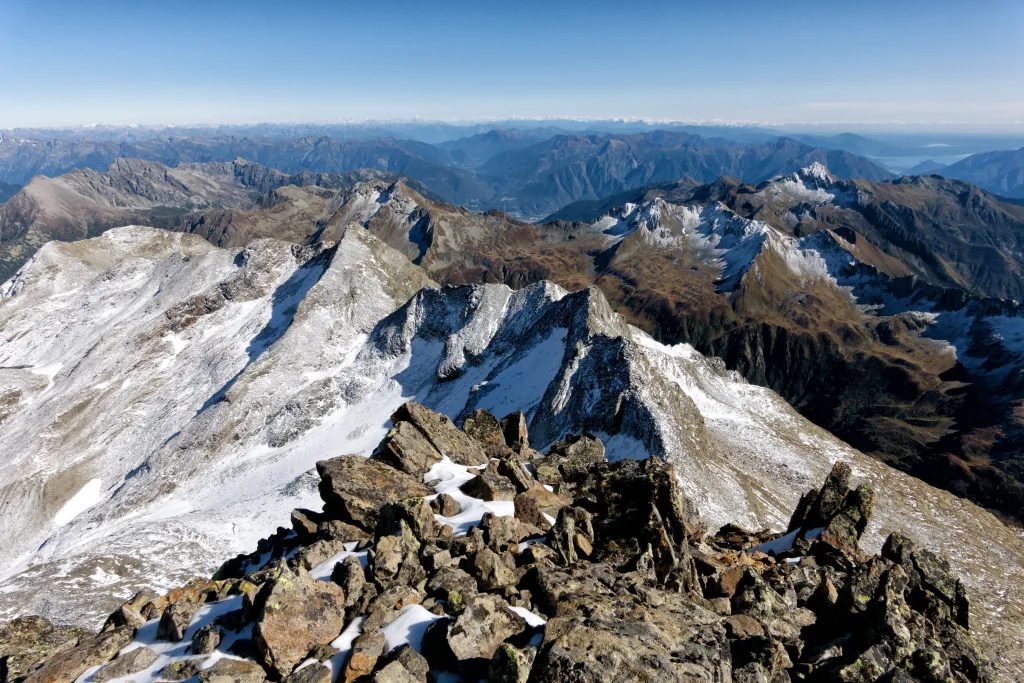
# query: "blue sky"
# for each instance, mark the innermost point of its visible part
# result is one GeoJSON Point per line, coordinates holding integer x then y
{"type": "Point", "coordinates": [113, 61]}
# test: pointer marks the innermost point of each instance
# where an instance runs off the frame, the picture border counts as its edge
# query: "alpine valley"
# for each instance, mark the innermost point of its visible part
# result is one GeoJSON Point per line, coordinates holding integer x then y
{"type": "Point", "coordinates": [825, 361]}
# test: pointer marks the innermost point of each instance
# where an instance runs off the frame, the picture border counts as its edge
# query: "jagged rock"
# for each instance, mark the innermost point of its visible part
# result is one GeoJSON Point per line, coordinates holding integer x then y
{"type": "Point", "coordinates": [576, 455]}
{"type": "Point", "coordinates": [205, 640]}
{"type": "Point", "coordinates": [510, 664]}
{"type": "Point", "coordinates": [130, 613]}
{"type": "Point", "coordinates": [26, 642]}
{"type": "Point", "coordinates": [740, 626]}
{"type": "Point", "coordinates": [69, 664]}
{"type": "Point", "coordinates": [841, 514]}
{"type": "Point", "coordinates": [406, 448]}
{"type": "Point", "coordinates": [233, 671]}
{"type": "Point", "coordinates": [395, 672]}
{"type": "Point", "coordinates": [354, 488]}
{"type": "Point", "coordinates": [350, 576]}
{"type": "Point", "coordinates": [512, 469]}
{"type": "Point", "coordinates": [848, 524]}
{"type": "Point", "coordinates": [299, 613]}
{"type": "Point", "coordinates": [484, 428]}
{"type": "Point", "coordinates": [413, 662]}
{"type": "Point", "coordinates": [415, 513]}
{"type": "Point", "coordinates": [395, 558]}
{"type": "Point", "coordinates": [454, 586]}
{"type": "Point", "coordinates": [128, 663]}
{"type": "Point", "coordinates": [513, 428]}
{"type": "Point", "coordinates": [314, 673]}
{"type": "Point", "coordinates": [501, 533]}
{"type": "Point", "coordinates": [442, 434]}
{"type": "Point", "coordinates": [486, 622]}
{"type": "Point", "coordinates": [758, 659]}
{"type": "Point", "coordinates": [489, 485]}
{"type": "Point", "coordinates": [336, 530]}
{"type": "Point", "coordinates": [934, 590]}
{"type": "Point", "coordinates": [366, 650]}
{"type": "Point", "coordinates": [493, 571]}
{"type": "Point", "coordinates": [317, 552]}
{"type": "Point", "coordinates": [181, 669]}
{"type": "Point", "coordinates": [434, 558]}
{"type": "Point", "coordinates": [306, 524]}
{"type": "Point", "coordinates": [537, 504]}
{"type": "Point", "coordinates": [383, 609]}
{"type": "Point", "coordinates": [641, 506]}
{"type": "Point", "coordinates": [445, 505]}
{"type": "Point", "coordinates": [176, 618]}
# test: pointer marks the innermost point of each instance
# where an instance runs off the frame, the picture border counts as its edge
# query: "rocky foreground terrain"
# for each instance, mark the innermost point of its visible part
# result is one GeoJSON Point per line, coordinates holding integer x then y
{"type": "Point", "coordinates": [468, 555]}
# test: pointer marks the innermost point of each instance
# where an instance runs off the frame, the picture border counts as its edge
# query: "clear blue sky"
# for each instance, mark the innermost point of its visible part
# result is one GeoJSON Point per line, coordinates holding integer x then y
{"type": "Point", "coordinates": [113, 61]}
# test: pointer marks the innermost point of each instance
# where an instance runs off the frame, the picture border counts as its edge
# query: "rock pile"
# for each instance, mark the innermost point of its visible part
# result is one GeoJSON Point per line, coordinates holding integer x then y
{"type": "Point", "coordinates": [577, 570]}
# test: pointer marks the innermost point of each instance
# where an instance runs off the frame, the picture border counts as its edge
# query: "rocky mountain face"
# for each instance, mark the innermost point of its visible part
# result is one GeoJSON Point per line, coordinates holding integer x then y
{"type": "Point", "coordinates": [468, 554]}
{"type": "Point", "coordinates": [1000, 173]}
{"type": "Point", "coordinates": [164, 402]}
{"type": "Point", "coordinates": [863, 304]}
{"type": "Point", "coordinates": [230, 203]}
{"type": "Point", "coordinates": [869, 306]}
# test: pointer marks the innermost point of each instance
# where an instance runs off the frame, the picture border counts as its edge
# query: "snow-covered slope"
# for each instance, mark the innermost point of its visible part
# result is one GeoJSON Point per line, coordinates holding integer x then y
{"type": "Point", "coordinates": [163, 400]}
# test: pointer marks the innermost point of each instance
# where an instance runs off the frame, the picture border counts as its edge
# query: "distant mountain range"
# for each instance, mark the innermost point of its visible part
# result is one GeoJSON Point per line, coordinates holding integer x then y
{"type": "Point", "coordinates": [520, 172]}
{"type": "Point", "coordinates": [1001, 173]}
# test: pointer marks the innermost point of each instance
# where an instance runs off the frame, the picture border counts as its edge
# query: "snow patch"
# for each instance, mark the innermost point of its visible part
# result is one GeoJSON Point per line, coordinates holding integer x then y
{"type": "Point", "coordinates": [87, 496]}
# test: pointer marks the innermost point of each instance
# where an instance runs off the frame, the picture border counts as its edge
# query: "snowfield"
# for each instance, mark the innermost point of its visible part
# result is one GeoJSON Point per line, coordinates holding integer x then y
{"type": "Point", "coordinates": [189, 391]}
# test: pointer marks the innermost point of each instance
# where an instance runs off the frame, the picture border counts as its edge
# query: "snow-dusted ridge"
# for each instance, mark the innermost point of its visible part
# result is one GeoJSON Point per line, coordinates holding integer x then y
{"type": "Point", "coordinates": [285, 355]}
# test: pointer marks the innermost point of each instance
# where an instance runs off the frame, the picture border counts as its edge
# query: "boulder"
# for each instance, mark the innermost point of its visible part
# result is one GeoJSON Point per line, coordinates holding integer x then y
{"type": "Point", "coordinates": [576, 455]}
{"type": "Point", "coordinates": [482, 627]}
{"type": "Point", "coordinates": [128, 663]}
{"type": "Point", "coordinates": [493, 571]}
{"type": "Point", "coordinates": [69, 664]}
{"type": "Point", "coordinates": [205, 640]}
{"type": "Point", "coordinates": [26, 642]}
{"type": "Point", "coordinates": [130, 613]}
{"type": "Point", "coordinates": [366, 650]}
{"type": "Point", "coordinates": [512, 469]}
{"type": "Point", "coordinates": [306, 524]}
{"type": "Point", "coordinates": [182, 669]}
{"type": "Point", "coordinates": [412, 661]}
{"type": "Point", "coordinates": [489, 485]}
{"type": "Point", "coordinates": [354, 488]}
{"type": "Point", "coordinates": [233, 671]}
{"type": "Point", "coordinates": [510, 664]}
{"type": "Point", "coordinates": [406, 448]}
{"type": "Point", "coordinates": [176, 618]}
{"type": "Point", "coordinates": [314, 673]}
{"type": "Point", "coordinates": [535, 505]}
{"type": "Point", "coordinates": [415, 513]}
{"type": "Point", "coordinates": [484, 428]}
{"type": "Point", "coordinates": [336, 530]}
{"type": "Point", "coordinates": [454, 586]}
{"type": "Point", "coordinates": [395, 672]}
{"type": "Point", "coordinates": [445, 505]}
{"type": "Point", "coordinates": [298, 614]}
{"type": "Point", "coordinates": [442, 434]}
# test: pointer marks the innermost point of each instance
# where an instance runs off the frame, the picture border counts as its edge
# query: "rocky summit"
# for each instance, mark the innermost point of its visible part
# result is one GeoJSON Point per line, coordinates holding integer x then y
{"type": "Point", "coordinates": [465, 554]}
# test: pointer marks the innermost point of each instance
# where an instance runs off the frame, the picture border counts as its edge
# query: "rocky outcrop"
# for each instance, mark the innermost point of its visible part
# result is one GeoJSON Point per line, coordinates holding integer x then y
{"type": "Point", "coordinates": [625, 585]}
